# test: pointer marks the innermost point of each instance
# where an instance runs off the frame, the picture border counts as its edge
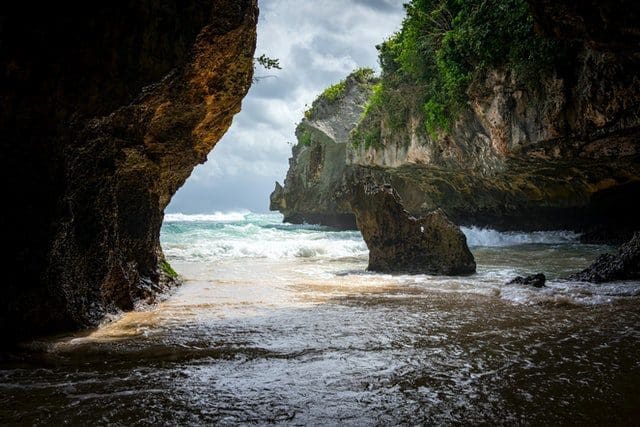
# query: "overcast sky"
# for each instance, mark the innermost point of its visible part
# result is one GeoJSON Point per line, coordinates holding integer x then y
{"type": "Point", "coordinates": [318, 42]}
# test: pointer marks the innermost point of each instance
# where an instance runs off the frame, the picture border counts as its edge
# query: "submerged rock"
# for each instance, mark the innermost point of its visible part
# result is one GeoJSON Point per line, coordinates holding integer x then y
{"type": "Point", "coordinates": [399, 242]}
{"type": "Point", "coordinates": [535, 280]}
{"type": "Point", "coordinates": [623, 266]}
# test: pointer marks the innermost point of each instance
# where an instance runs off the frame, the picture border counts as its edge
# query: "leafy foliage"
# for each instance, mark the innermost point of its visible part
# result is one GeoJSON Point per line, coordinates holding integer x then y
{"type": "Point", "coordinates": [334, 92]}
{"type": "Point", "coordinates": [368, 136]}
{"type": "Point", "coordinates": [445, 46]}
{"type": "Point", "coordinates": [363, 74]}
{"type": "Point", "coordinates": [269, 63]}
{"type": "Point", "coordinates": [305, 138]}
{"type": "Point", "coordinates": [375, 100]}
{"type": "Point", "coordinates": [308, 113]}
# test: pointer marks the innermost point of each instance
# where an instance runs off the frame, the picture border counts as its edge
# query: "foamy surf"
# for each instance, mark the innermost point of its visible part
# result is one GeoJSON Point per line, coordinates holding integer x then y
{"type": "Point", "coordinates": [207, 238]}
{"type": "Point", "coordinates": [492, 238]}
{"type": "Point", "coordinates": [234, 238]}
{"type": "Point", "coordinates": [214, 217]}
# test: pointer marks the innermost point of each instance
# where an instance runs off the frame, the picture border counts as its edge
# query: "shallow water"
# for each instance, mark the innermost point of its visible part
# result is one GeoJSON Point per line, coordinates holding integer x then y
{"type": "Point", "coordinates": [280, 323]}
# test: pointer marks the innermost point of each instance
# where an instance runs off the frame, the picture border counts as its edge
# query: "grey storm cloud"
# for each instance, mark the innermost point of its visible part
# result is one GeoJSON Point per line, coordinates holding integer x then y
{"type": "Point", "coordinates": [318, 42]}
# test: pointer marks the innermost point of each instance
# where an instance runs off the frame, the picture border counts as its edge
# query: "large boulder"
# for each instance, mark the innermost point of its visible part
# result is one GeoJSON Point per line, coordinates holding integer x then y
{"type": "Point", "coordinates": [625, 265]}
{"type": "Point", "coordinates": [399, 242]}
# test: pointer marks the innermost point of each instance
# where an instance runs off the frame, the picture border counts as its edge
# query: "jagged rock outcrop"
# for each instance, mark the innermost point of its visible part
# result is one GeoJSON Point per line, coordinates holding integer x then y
{"type": "Point", "coordinates": [312, 189]}
{"type": "Point", "coordinates": [536, 280]}
{"type": "Point", "coordinates": [106, 108]}
{"type": "Point", "coordinates": [563, 153]}
{"type": "Point", "coordinates": [399, 242]}
{"type": "Point", "coordinates": [563, 156]}
{"type": "Point", "coordinates": [522, 197]}
{"type": "Point", "coordinates": [625, 265]}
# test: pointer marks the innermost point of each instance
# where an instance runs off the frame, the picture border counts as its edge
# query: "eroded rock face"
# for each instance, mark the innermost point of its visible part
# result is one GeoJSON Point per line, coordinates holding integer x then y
{"type": "Point", "coordinates": [561, 154]}
{"type": "Point", "coordinates": [399, 242]}
{"type": "Point", "coordinates": [312, 190]}
{"type": "Point", "coordinates": [106, 110]}
{"type": "Point", "coordinates": [610, 25]}
{"type": "Point", "coordinates": [563, 195]}
{"type": "Point", "coordinates": [625, 265]}
{"type": "Point", "coordinates": [554, 153]}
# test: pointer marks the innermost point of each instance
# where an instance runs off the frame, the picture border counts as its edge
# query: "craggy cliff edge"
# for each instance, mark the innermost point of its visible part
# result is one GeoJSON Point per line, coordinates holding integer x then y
{"type": "Point", "coordinates": [559, 153]}
{"type": "Point", "coordinates": [106, 109]}
{"type": "Point", "coordinates": [317, 170]}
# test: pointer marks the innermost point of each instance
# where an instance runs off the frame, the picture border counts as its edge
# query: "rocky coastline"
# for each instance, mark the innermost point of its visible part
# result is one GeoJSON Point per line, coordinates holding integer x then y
{"type": "Point", "coordinates": [561, 155]}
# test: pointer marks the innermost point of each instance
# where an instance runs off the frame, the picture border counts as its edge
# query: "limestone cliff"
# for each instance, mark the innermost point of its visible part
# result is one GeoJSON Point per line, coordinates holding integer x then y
{"type": "Point", "coordinates": [528, 148]}
{"type": "Point", "coordinates": [106, 109]}
{"type": "Point", "coordinates": [312, 190]}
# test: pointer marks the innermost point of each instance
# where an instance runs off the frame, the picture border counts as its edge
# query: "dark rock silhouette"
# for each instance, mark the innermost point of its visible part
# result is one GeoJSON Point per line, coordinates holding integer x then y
{"type": "Point", "coordinates": [398, 242]}
{"type": "Point", "coordinates": [535, 280]}
{"type": "Point", "coordinates": [106, 109]}
{"type": "Point", "coordinates": [625, 265]}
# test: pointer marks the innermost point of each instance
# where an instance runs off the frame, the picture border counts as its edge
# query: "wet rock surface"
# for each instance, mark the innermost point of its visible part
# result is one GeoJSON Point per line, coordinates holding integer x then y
{"type": "Point", "coordinates": [106, 109]}
{"type": "Point", "coordinates": [625, 265]}
{"type": "Point", "coordinates": [399, 242]}
{"type": "Point", "coordinates": [536, 280]}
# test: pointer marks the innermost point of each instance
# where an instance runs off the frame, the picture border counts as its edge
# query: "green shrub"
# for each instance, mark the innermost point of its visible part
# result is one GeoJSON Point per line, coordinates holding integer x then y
{"type": "Point", "coordinates": [305, 138]}
{"type": "Point", "coordinates": [363, 74]}
{"type": "Point", "coordinates": [375, 100]}
{"type": "Point", "coordinates": [367, 136]}
{"type": "Point", "coordinates": [445, 46]}
{"type": "Point", "coordinates": [334, 92]}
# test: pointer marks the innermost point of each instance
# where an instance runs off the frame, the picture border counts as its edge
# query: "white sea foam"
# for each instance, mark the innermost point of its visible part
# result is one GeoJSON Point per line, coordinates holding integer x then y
{"type": "Point", "coordinates": [212, 250]}
{"type": "Point", "coordinates": [501, 256]}
{"type": "Point", "coordinates": [248, 235]}
{"type": "Point", "coordinates": [491, 238]}
{"type": "Point", "coordinates": [214, 217]}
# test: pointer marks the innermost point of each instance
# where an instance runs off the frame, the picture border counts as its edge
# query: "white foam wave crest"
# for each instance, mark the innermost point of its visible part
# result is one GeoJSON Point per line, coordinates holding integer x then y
{"type": "Point", "coordinates": [212, 250]}
{"type": "Point", "coordinates": [492, 238]}
{"type": "Point", "coordinates": [492, 283]}
{"type": "Point", "coordinates": [214, 217]}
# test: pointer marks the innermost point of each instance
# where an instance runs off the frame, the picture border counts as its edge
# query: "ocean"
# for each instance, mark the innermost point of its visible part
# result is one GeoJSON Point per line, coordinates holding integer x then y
{"type": "Point", "coordinates": [281, 323]}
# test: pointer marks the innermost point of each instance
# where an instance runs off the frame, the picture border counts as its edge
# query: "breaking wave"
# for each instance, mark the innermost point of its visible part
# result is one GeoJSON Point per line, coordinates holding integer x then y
{"type": "Point", "coordinates": [492, 238]}
{"type": "Point", "coordinates": [249, 235]}
{"type": "Point", "coordinates": [214, 217]}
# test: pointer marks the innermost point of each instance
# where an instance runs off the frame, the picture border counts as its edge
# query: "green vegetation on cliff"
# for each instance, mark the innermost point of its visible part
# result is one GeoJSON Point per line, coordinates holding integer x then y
{"type": "Point", "coordinates": [443, 48]}
{"type": "Point", "coordinates": [336, 91]}
{"type": "Point", "coordinates": [167, 269]}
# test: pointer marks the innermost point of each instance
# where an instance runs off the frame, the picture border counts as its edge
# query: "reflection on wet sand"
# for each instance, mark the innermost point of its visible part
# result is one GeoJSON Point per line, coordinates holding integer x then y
{"type": "Point", "coordinates": [324, 342]}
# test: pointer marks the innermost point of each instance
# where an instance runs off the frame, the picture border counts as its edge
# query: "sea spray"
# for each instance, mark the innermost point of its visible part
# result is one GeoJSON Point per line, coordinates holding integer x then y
{"type": "Point", "coordinates": [491, 238]}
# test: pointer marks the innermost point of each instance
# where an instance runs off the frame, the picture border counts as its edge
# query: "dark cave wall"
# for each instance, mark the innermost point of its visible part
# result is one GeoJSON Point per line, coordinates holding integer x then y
{"type": "Point", "coordinates": [105, 110]}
